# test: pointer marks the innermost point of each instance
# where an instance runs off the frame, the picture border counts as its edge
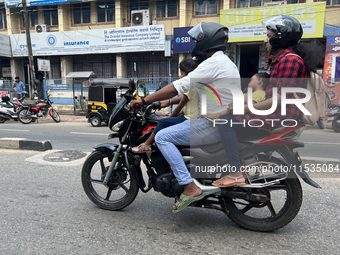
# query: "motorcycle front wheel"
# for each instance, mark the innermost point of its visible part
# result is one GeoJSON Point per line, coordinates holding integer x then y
{"type": "Point", "coordinates": [55, 115]}
{"type": "Point", "coordinates": [284, 199]}
{"type": "Point", "coordinates": [24, 116]}
{"type": "Point", "coordinates": [336, 124]}
{"type": "Point", "coordinates": [122, 187]}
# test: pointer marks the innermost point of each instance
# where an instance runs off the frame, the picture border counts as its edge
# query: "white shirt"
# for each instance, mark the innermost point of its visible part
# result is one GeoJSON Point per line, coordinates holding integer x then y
{"type": "Point", "coordinates": [218, 71]}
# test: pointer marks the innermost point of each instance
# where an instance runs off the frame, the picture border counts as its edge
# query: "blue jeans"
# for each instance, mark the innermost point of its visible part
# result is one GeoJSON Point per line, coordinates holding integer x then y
{"type": "Point", "coordinates": [190, 132]}
{"type": "Point", "coordinates": [167, 122]}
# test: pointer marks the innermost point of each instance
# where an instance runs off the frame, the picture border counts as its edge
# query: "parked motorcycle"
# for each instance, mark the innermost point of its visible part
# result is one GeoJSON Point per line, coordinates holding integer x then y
{"type": "Point", "coordinates": [32, 112]}
{"type": "Point", "coordinates": [112, 174]}
{"type": "Point", "coordinates": [333, 120]}
{"type": "Point", "coordinates": [9, 109]}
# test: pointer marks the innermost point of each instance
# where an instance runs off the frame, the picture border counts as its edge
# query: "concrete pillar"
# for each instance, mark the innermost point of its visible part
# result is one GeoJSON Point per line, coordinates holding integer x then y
{"type": "Point", "coordinates": [64, 17]}
{"type": "Point", "coordinates": [226, 4]}
{"type": "Point", "coordinates": [13, 21]}
{"type": "Point", "coordinates": [17, 68]}
{"type": "Point", "coordinates": [183, 19]}
{"type": "Point", "coordinates": [120, 13]}
{"type": "Point", "coordinates": [66, 66]}
{"type": "Point", "coordinates": [121, 63]}
{"type": "Point", "coordinates": [93, 12]}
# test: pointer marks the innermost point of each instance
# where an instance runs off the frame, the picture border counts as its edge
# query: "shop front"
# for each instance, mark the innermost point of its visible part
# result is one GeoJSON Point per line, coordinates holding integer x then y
{"type": "Point", "coordinates": [331, 71]}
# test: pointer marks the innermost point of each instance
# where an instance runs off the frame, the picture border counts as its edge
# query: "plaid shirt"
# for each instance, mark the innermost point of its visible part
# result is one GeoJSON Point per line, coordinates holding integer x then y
{"type": "Point", "coordinates": [284, 72]}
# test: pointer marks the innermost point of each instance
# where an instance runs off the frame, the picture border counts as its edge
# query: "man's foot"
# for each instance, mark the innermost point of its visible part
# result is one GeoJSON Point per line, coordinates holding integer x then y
{"type": "Point", "coordinates": [190, 194]}
{"type": "Point", "coordinates": [142, 148]}
{"type": "Point", "coordinates": [229, 181]}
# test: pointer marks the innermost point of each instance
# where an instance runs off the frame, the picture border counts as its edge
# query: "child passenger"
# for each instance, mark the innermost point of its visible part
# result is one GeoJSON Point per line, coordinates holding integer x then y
{"type": "Point", "coordinates": [258, 83]}
{"type": "Point", "coordinates": [189, 104]}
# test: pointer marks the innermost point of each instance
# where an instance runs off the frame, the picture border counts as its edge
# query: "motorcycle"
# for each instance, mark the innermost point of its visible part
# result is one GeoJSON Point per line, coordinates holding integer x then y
{"type": "Point", "coordinates": [333, 120]}
{"type": "Point", "coordinates": [112, 174]}
{"type": "Point", "coordinates": [9, 109]}
{"type": "Point", "coordinates": [32, 112]}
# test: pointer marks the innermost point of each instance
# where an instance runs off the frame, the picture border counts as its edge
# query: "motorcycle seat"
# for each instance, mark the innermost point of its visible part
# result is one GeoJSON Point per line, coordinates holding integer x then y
{"type": "Point", "coordinates": [29, 105]}
{"type": "Point", "coordinates": [6, 106]}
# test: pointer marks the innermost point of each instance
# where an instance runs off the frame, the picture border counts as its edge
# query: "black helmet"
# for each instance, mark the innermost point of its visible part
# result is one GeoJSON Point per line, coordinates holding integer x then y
{"type": "Point", "coordinates": [209, 36]}
{"type": "Point", "coordinates": [5, 98]}
{"type": "Point", "coordinates": [288, 31]}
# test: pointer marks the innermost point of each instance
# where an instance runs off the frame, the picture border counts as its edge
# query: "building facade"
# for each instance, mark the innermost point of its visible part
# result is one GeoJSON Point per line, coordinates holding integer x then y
{"type": "Point", "coordinates": [65, 29]}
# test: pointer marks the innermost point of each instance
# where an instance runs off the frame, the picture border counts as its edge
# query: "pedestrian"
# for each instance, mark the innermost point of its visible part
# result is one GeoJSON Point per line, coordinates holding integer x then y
{"type": "Point", "coordinates": [19, 86]}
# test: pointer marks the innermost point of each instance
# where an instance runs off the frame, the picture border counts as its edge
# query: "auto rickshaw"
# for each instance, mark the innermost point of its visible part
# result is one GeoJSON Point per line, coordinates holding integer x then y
{"type": "Point", "coordinates": [103, 95]}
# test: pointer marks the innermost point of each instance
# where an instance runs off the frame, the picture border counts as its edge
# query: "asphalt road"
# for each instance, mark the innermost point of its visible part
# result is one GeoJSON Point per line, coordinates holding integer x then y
{"type": "Point", "coordinates": [44, 210]}
{"type": "Point", "coordinates": [82, 136]}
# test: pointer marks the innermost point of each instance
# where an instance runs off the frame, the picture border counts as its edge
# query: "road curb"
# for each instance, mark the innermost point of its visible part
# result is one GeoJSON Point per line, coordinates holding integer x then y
{"type": "Point", "coordinates": [24, 144]}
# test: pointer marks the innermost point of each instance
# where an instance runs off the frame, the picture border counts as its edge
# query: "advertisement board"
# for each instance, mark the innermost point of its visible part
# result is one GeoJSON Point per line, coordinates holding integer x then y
{"type": "Point", "coordinates": [114, 40]}
{"type": "Point", "coordinates": [5, 46]}
{"type": "Point", "coordinates": [330, 72]}
{"type": "Point", "coordinates": [182, 40]}
{"type": "Point", "coordinates": [17, 3]}
{"type": "Point", "coordinates": [245, 25]}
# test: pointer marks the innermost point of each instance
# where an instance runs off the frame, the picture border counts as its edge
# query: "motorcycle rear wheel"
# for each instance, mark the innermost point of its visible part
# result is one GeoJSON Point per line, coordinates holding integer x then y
{"type": "Point", "coordinates": [55, 116]}
{"type": "Point", "coordinates": [336, 125]}
{"type": "Point", "coordinates": [24, 116]}
{"type": "Point", "coordinates": [266, 217]}
{"type": "Point", "coordinates": [2, 120]}
{"type": "Point", "coordinates": [122, 187]}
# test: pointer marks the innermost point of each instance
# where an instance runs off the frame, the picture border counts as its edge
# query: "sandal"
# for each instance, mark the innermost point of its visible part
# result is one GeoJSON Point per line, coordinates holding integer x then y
{"type": "Point", "coordinates": [142, 148]}
{"type": "Point", "coordinates": [230, 181]}
{"type": "Point", "coordinates": [186, 201]}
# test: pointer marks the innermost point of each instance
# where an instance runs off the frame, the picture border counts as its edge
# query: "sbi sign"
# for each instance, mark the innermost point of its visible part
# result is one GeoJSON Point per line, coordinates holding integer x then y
{"type": "Point", "coordinates": [182, 40]}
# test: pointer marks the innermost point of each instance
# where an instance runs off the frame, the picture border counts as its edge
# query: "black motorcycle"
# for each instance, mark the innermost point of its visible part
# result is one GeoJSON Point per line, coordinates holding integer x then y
{"type": "Point", "coordinates": [112, 173]}
{"type": "Point", "coordinates": [333, 120]}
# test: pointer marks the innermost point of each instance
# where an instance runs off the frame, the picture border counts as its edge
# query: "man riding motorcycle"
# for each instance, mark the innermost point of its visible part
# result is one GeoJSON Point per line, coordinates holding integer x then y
{"type": "Point", "coordinates": [214, 73]}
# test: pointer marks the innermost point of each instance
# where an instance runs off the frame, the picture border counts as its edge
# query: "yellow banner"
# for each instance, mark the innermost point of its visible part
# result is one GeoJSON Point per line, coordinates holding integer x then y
{"type": "Point", "coordinates": [245, 25]}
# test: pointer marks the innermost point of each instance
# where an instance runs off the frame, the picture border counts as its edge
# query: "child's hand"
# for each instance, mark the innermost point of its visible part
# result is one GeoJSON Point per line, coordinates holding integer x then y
{"type": "Point", "coordinates": [230, 108]}
{"type": "Point", "coordinates": [211, 116]}
{"type": "Point", "coordinates": [164, 116]}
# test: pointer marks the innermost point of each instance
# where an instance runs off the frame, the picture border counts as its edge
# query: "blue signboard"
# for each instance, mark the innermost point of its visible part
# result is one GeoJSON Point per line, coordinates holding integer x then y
{"type": "Point", "coordinates": [17, 3]}
{"type": "Point", "coordinates": [182, 40]}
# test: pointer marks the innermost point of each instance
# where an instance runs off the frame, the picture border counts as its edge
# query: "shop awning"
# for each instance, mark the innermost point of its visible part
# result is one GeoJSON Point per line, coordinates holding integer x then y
{"type": "Point", "coordinates": [87, 74]}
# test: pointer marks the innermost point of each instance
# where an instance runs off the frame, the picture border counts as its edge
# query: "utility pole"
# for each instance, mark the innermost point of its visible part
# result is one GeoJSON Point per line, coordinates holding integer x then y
{"type": "Point", "coordinates": [29, 48]}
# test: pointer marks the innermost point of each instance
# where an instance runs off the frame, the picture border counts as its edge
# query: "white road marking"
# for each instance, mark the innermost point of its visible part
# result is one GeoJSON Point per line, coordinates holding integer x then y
{"type": "Point", "coordinates": [80, 133]}
{"type": "Point", "coordinates": [15, 130]}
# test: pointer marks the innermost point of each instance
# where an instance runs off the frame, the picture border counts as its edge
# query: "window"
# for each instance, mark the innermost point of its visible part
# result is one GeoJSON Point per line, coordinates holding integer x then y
{"type": "Point", "coordinates": [51, 16]}
{"type": "Point", "coordinates": [106, 11]}
{"type": "Point", "coordinates": [55, 67]}
{"type": "Point", "coordinates": [248, 3]}
{"type": "Point", "coordinates": [288, 1]}
{"type": "Point", "coordinates": [166, 8]}
{"type": "Point", "coordinates": [139, 5]}
{"type": "Point", "coordinates": [331, 2]}
{"type": "Point", "coordinates": [206, 7]}
{"type": "Point", "coordinates": [33, 17]}
{"type": "Point", "coordinates": [82, 13]}
{"type": "Point", "coordinates": [3, 19]}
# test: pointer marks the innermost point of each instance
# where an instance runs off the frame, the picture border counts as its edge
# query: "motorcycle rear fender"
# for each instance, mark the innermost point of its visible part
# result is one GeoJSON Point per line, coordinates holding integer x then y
{"type": "Point", "coordinates": [294, 159]}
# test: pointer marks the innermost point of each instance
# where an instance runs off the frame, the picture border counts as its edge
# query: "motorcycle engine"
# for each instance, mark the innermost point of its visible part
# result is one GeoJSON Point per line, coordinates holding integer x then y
{"type": "Point", "coordinates": [168, 185]}
{"type": "Point", "coordinates": [159, 163]}
{"type": "Point", "coordinates": [44, 110]}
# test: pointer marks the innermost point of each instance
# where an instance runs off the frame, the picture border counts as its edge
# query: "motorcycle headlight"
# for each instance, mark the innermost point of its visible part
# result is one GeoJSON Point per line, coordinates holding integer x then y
{"type": "Point", "coordinates": [116, 127]}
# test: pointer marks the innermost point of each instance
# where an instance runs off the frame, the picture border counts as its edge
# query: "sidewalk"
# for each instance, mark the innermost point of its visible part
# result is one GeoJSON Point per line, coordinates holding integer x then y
{"type": "Point", "coordinates": [73, 118]}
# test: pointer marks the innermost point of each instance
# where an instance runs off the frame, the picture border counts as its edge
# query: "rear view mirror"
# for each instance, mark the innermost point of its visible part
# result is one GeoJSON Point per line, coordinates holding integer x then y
{"type": "Point", "coordinates": [132, 85]}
